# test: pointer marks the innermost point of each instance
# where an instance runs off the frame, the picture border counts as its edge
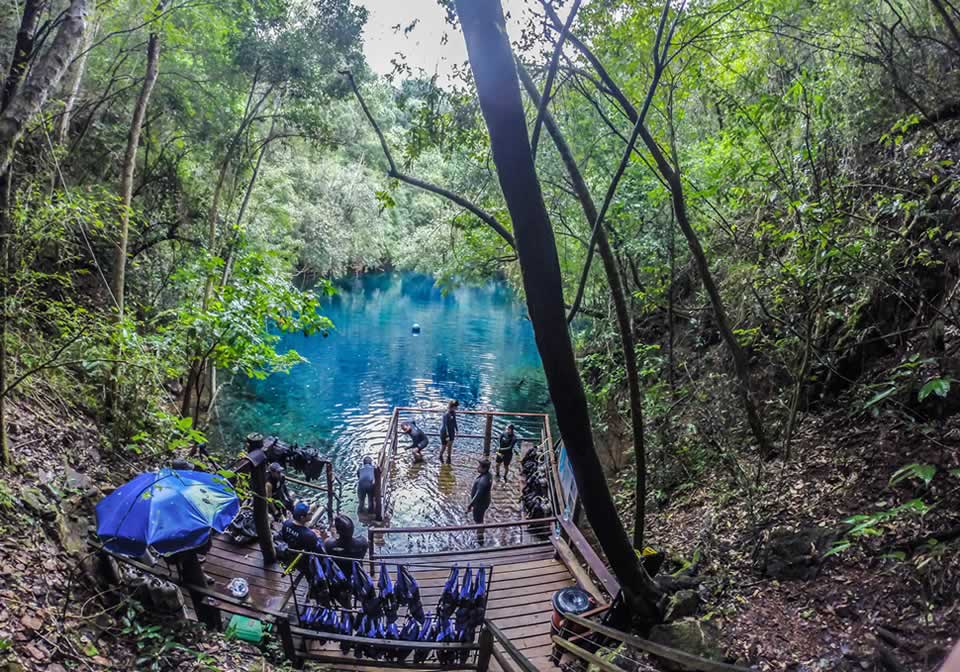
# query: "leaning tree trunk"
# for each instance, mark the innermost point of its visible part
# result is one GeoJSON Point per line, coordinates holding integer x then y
{"type": "Point", "coordinates": [498, 90]}
{"type": "Point", "coordinates": [126, 196]}
{"type": "Point", "coordinates": [23, 103]}
{"type": "Point", "coordinates": [614, 281]}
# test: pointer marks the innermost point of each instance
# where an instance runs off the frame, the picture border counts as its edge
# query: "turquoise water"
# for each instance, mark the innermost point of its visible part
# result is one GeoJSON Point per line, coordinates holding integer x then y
{"type": "Point", "coordinates": [476, 345]}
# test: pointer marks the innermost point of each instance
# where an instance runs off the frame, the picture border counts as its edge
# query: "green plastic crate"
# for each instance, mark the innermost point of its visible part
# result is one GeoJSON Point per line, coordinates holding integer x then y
{"type": "Point", "coordinates": [246, 629]}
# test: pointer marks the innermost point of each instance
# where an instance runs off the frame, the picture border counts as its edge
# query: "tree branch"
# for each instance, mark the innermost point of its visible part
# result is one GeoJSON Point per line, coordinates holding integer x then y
{"type": "Point", "coordinates": [551, 75]}
{"type": "Point", "coordinates": [483, 215]}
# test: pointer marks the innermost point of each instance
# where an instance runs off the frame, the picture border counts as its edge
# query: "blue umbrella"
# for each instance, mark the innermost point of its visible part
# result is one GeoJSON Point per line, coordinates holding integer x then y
{"type": "Point", "coordinates": [168, 510]}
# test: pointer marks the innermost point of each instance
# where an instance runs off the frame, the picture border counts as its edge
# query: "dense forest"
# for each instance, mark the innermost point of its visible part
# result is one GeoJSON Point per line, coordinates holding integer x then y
{"type": "Point", "coordinates": [734, 224]}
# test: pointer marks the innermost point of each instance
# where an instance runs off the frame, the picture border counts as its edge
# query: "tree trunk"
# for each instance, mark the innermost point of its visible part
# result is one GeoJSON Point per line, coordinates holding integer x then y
{"type": "Point", "coordinates": [43, 78]}
{"type": "Point", "coordinates": [74, 78]}
{"type": "Point", "coordinates": [614, 281]}
{"type": "Point", "coordinates": [23, 103]}
{"type": "Point", "coordinates": [130, 164]}
{"type": "Point", "coordinates": [22, 50]}
{"type": "Point", "coordinates": [127, 169]}
{"type": "Point", "coordinates": [498, 90]}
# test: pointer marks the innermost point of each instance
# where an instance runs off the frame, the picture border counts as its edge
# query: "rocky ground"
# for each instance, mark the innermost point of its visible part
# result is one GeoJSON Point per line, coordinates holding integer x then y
{"type": "Point", "coordinates": [768, 589]}
{"type": "Point", "coordinates": [53, 616]}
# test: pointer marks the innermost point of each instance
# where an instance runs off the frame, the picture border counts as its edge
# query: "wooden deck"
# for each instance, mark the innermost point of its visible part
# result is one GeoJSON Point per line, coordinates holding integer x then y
{"type": "Point", "coordinates": [519, 602]}
{"type": "Point", "coordinates": [528, 559]}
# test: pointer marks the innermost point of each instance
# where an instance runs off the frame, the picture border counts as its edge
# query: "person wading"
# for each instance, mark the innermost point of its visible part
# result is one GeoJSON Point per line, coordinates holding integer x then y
{"type": "Point", "coordinates": [366, 477]}
{"type": "Point", "coordinates": [448, 430]}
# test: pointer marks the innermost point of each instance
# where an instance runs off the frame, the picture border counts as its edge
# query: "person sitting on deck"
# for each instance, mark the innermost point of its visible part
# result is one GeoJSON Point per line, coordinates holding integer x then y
{"type": "Point", "coordinates": [346, 547]}
{"type": "Point", "coordinates": [418, 438]}
{"type": "Point", "coordinates": [448, 430]}
{"type": "Point", "coordinates": [508, 444]}
{"type": "Point", "coordinates": [279, 500]}
{"type": "Point", "coordinates": [366, 479]}
{"type": "Point", "coordinates": [297, 535]}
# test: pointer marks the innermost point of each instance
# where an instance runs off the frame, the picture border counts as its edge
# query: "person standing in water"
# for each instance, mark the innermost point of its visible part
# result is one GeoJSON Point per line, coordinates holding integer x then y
{"type": "Point", "coordinates": [480, 495]}
{"type": "Point", "coordinates": [418, 437]}
{"type": "Point", "coordinates": [448, 430]}
{"type": "Point", "coordinates": [508, 444]}
{"type": "Point", "coordinates": [366, 477]}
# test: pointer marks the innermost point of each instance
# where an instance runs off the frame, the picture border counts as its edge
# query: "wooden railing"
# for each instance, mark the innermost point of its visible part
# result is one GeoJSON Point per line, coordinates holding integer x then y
{"type": "Point", "coordinates": [518, 534]}
{"type": "Point", "coordinates": [381, 485]}
{"type": "Point", "coordinates": [584, 644]}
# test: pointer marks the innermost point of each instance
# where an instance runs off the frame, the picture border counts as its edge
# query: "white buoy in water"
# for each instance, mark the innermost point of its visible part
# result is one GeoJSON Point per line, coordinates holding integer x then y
{"type": "Point", "coordinates": [415, 329]}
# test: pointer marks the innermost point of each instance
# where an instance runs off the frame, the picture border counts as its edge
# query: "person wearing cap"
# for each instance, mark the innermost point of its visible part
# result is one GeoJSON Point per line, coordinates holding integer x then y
{"type": "Point", "coordinates": [508, 444]}
{"type": "Point", "coordinates": [366, 478]}
{"type": "Point", "coordinates": [448, 430]}
{"type": "Point", "coordinates": [417, 436]}
{"type": "Point", "coordinates": [296, 534]}
{"type": "Point", "coordinates": [345, 547]}
{"type": "Point", "coordinates": [279, 500]}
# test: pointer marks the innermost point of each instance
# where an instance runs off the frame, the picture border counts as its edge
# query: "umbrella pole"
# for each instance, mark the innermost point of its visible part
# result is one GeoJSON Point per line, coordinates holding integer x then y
{"type": "Point", "coordinates": [194, 578]}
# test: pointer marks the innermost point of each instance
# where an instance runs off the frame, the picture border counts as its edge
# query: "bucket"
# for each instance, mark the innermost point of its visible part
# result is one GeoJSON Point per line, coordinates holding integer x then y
{"type": "Point", "coordinates": [571, 600]}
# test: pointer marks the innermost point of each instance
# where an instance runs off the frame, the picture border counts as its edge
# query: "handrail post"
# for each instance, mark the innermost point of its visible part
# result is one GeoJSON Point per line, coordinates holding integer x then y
{"type": "Point", "coordinates": [286, 639]}
{"type": "Point", "coordinates": [329, 493]}
{"type": "Point", "coordinates": [488, 434]}
{"type": "Point", "coordinates": [370, 547]}
{"type": "Point", "coordinates": [378, 493]}
{"type": "Point", "coordinates": [258, 479]}
{"type": "Point", "coordinates": [486, 649]}
{"type": "Point", "coordinates": [193, 575]}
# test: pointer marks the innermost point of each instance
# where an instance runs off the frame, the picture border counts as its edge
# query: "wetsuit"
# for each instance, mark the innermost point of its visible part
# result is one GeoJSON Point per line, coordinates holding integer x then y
{"type": "Point", "coordinates": [365, 482]}
{"type": "Point", "coordinates": [419, 439]}
{"type": "Point", "coordinates": [480, 495]}
{"type": "Point", "coordinates": [300, 537]}
{"type": "Point", "coordinates": [448, 426]}
{"type": "Point", "coordinates": [508, 443]}
{"type": "Point", "coordinates": [348, 548]}
{"type": "Point", "coordinates": [277, 490]}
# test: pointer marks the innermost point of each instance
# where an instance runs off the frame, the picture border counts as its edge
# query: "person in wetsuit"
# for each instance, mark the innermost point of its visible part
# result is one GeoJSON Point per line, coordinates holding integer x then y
{"type": "Point", "coordinates": [418, 438]}
{"type": "Point", "coordinates": [448, 430]}
{"type": "Point", "coordinates": [366, 477]}
{"type": "Point", "coordinates": [279, 500]}
{"type": "Point", "coordinates": [346, 547]}
{"type": "Point", "coordinates": [480, 495]}
{"type": "Point", "coordinates": [508, 444]}
{"type": "Point", "coordinates": [297, 535]}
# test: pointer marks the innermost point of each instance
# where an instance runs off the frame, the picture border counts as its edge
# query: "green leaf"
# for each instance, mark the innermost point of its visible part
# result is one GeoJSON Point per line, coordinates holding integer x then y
{"type": "Point", "coordinates": [91, 650]}
{"type": "Point", "coordinates": [838, 547]}
{"type": "Point", "coordinates": [925, 472]}
{"type": "Point", "coordinates": [880, 396]}
{"type": "Point", "coordinates": [937, 386]}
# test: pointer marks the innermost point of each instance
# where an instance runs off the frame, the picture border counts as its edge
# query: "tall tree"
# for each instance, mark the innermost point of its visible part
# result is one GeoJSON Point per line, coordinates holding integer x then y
{"type": "Point", "coordinates": [21, 102]}
{"type": "Point", "coordinates": [498, 90]}
{"type": "Point", "coordinates": [130, 163]}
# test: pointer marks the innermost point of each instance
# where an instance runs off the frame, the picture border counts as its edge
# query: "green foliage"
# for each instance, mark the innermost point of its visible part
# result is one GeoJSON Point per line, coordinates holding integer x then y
{"type": "Point", "coordinates": [864, 526]}
{"type": "Point", "coordinates": [923, 472]}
